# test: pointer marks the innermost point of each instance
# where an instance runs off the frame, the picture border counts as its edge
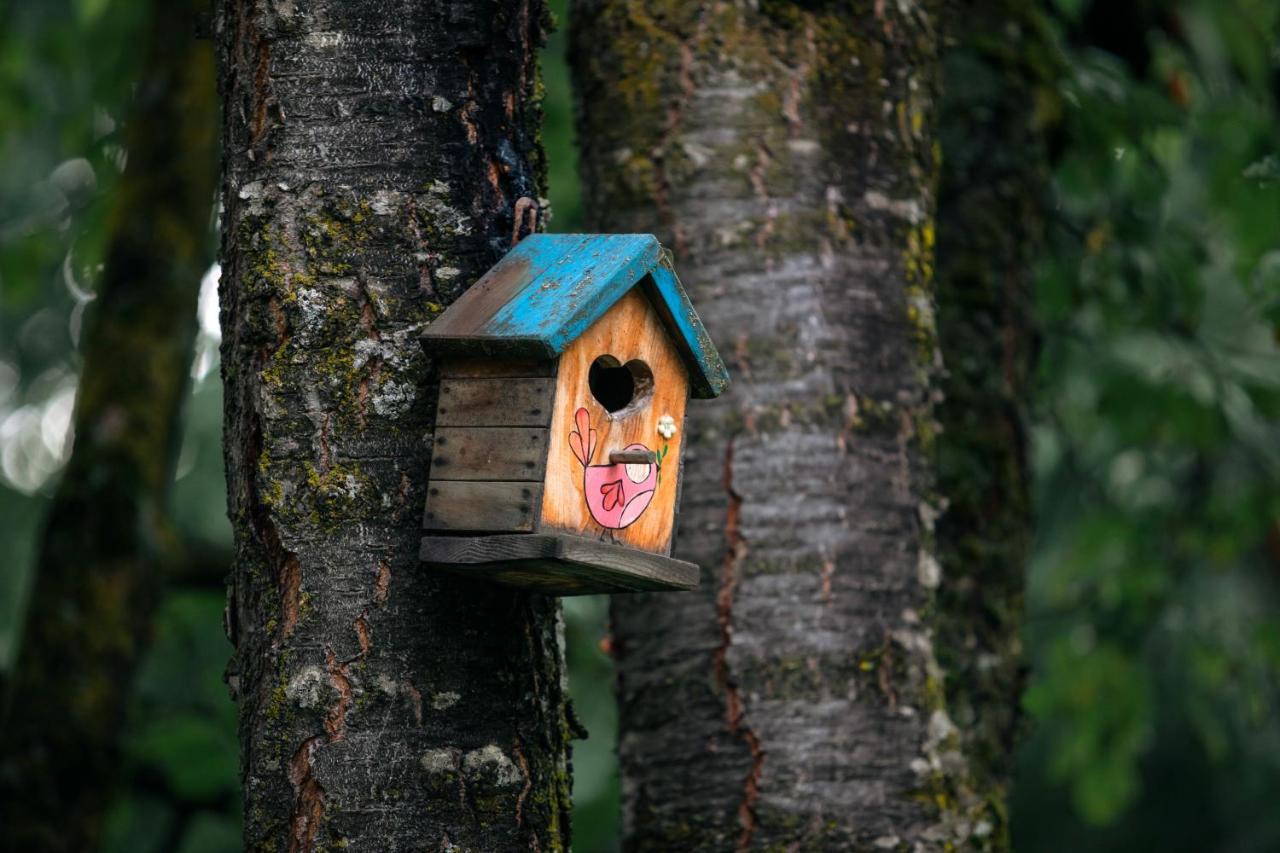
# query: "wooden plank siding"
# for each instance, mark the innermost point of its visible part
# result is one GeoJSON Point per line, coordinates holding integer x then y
{"type": "Point", "coordinates": [489, 453]}
{"type": "Point", "coordinates": [478, 506]}
{"type": "Point", "coordinates": [490, 449]}
{"type": "Point", "coordinates": [491, 402]}
{"type": "Point", "coordinates": [497, 368]}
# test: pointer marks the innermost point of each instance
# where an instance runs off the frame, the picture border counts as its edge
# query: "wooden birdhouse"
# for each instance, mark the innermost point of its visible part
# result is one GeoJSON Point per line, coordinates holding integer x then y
{"type": "Point", "coordinates": [565, 372]}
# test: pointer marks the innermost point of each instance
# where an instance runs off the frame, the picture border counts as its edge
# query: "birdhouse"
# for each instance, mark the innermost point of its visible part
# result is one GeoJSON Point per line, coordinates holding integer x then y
{"type": "Point", "coordinates": [565, 371]}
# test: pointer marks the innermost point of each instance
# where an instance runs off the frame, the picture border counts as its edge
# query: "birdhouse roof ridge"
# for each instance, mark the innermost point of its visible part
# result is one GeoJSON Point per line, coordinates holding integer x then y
{"type": "Point", "coordinates": [550, 288]}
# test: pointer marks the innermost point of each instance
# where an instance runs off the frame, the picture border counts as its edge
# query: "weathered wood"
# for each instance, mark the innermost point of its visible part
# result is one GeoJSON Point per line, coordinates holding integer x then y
{"type": "Point", "coordinates": [630, 330]}
{"type": "Point", "coordinates": [462, 505]}
{"type": "Point", "coordinates": [558, 564]}
{"type": "Point", "coordinates": [489, 453]}
{"type": "Point", "coordinates": [689, 335]}
{"type": "Point", "coordinates": [495, 402]}
{"type": "Point", "coordinates": [490, 368]}
{"type": "Point", "coordinates": [551, 288]}
{"type": "Point", "coordinates": [633, 457]}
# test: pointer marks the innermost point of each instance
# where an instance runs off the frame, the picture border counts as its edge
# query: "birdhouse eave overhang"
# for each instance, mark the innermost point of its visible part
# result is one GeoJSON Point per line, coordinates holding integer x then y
{"type": "Point", "coordinates": [550, 288]}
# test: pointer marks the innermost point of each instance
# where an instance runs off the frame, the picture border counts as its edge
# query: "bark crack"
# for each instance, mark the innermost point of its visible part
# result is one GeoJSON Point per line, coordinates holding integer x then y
{"type": "Point", "coordinates": [524, 791]}
{"type": "Point", "coordinates": [424, 256]}
{"type": "Point", "coordinates": [730, 573]}
{"type": "Point", "coordinates": [362, 632]}
{"type": "Point", "coordinates": [249, 41]}
{"type": "Point", "coordinates": [795, 84]}
{"type": "Point", "coordinates": [308, 805]}
{"type": "Point", "coordinates": [290, 593]}
{"type": "Point", "coordinates": [382, 586]}
{"type": "Point", "coordinates": [335, 722]}
{"type": "Point", "coordinates": [757, 177]}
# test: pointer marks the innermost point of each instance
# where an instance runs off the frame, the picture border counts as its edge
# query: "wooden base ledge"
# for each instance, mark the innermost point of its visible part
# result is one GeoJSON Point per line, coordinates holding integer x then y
{"type": "Point", "coordinates": [558, 564]}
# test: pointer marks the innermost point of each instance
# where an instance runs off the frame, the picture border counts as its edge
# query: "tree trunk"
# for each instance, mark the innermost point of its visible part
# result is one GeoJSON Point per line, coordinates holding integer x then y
{"type": "Point", "coordinates": [991, 211]}
{"type": "Point", "coordinates": [378, 158]}
{"type": "Point", "coordinates": [788, 153]}
{"type": "Point", "coordinates": [107, 541]}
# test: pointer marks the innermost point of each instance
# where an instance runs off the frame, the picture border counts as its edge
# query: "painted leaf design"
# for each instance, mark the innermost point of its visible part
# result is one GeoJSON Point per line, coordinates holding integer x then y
{"type": "Point", "coordinates": [612, 495]}
{"type": "Point", "coordinates": [582, 431]}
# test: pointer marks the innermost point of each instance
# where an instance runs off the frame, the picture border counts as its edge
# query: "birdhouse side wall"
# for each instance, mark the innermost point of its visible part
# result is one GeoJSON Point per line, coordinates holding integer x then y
{"type": "Point", "coordinates": [630, 504]}
{"type": "Point", "coordinates": [489, 453]}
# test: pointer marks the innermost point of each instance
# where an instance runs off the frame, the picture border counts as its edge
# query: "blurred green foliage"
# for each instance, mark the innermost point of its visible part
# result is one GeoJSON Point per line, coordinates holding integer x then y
{"type": "Point", "coordinates": [1153, 620]}
{"type": "Point", "coordinates": [1153, 627]}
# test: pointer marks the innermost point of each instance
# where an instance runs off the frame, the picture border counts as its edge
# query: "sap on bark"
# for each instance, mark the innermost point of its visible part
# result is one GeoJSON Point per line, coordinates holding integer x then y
{"type": "Point", "coordinates": [565, 374]}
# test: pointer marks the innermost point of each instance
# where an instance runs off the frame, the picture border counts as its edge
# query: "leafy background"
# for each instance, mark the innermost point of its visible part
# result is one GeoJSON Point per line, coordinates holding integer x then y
{"type": "Point", "coordinates": [1153, 630]}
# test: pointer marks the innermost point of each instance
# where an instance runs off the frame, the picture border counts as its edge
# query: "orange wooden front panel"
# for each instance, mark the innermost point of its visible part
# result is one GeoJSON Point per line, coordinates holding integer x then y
{"type": "Point", "coordinates": [596, 499]}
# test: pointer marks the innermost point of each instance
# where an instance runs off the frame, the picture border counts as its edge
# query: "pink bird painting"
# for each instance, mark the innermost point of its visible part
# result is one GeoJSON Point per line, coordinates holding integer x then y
{"type": "Point", "coordinates": [616, 494]}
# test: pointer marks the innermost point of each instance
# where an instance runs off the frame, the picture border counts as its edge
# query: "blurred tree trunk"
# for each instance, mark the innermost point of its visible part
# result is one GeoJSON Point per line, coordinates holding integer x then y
{"type": "Point", "coordinates": [789, 154]}
{"type": "Point", "coordinates": [998, 100]}
{"type": "Point", "coordinates": [378, 158]}
{"type": "Point", "coordinates": [107, 542]}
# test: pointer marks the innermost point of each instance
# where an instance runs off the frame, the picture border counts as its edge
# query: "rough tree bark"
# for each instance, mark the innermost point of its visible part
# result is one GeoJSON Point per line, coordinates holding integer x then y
{"type": "Point", "coordinates": [997, 83]}
{"type": "Point", "coordinates": [107, 542]}
{"type": "Point", "coordinates": [788, 152]}
{"type": "Point", "coordinates": [378, 158]}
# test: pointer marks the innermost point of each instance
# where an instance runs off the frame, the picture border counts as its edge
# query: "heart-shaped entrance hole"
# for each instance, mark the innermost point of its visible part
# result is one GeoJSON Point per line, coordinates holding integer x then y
{"type": "Point", "coordinates": [620, 387]}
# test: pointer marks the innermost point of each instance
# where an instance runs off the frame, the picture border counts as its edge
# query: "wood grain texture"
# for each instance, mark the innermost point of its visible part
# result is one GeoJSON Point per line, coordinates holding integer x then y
{"type": "Point", "coordinates": [490, 368]}
{"type": "Point", "coordinates": [551, 287]}
{"type": "Point", "coordinates": [547, 290]}
{"type": "Point", "coordinates": [638, 457]}
{"type": "Point", "coordinates": [495, 402]}
{"type": "Point", "coordinates": [489, 453]}
{"type": "Point", "coordinates": [709, 376]}
{"type": "Point", "coordinates": [460, 505]}
{"type": "Point", "coordinates": [558, 564]}
{"type": "Point", "coordinates": [630, 330]}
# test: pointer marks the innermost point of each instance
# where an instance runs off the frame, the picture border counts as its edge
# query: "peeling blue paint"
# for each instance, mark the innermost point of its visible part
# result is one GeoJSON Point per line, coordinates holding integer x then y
{"type": "Point", "coordinates": [711, 377]}
{"type": "Point", "coordinates": [551, 287]}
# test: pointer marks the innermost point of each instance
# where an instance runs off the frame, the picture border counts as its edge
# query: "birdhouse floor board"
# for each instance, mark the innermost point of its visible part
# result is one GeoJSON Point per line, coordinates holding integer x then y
{"type": "Point", "coordinates": [495, 402]}
{"type": "Point", "coordinates": [489, 453]}
{"type": "Point", "coordinates": [558, 564]}
{"type": "Point", "coordinates": [475, 506]}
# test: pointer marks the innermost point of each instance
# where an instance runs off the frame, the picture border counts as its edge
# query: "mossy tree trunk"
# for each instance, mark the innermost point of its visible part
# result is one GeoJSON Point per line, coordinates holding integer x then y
{"type": "Point", "coordinates": [998, 102]}
{"type": "Point", "coordinates": [107, 543]}
{"type": "Point", "coordinates": [378, 158]}
{"type": "Point", "coordinates": [788, 152]}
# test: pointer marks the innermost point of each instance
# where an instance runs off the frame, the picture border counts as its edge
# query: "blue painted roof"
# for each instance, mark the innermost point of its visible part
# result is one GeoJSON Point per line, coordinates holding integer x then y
{"type": "Point", "coordinates": [551, 287]}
